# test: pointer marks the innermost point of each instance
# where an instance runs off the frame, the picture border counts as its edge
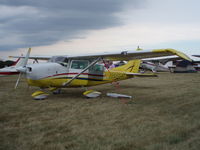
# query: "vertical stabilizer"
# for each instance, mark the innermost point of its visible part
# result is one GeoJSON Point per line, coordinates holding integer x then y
{"type": "Point", "coordinates": [19, 62]}
{"type": "Point", "coordinates": [132, 66]}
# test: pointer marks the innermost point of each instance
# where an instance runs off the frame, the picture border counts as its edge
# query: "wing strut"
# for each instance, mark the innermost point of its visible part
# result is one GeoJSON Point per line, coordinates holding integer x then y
{"type": "Point", "coordinates": [92, 64]}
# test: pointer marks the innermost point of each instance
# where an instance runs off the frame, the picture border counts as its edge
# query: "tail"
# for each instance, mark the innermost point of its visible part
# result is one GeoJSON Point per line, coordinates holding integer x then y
{"type": "Point", "coordinates": [132, 66]}
{"type": "Point", "coordinates": [14, 64]}
{"type": "Point", "coordinates": [19, 62]}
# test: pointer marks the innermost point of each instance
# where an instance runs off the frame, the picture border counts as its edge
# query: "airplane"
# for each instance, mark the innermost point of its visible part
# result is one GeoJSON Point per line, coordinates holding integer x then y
{"type": "Point", "coordinates": [84, 70]}
{"type": "Point", "coordinates": [160, 64]}
{"type": "Point", "coordinates": [154, 66]}
{"type": "Point", "coordinates": [11, 70]}
{"type": "Point", "coordinates": [197, 63]}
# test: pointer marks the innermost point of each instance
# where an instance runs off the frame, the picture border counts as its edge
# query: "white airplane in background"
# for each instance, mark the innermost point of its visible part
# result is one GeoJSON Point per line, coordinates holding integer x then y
{"type": "Point", "coordinates": [197, 66]}
{"type": "Point", "coordinates": [11, 70]}
{"type": "Point", "coordinates": [159, 64]}
{"type": "Point", "coordinates": [84, 70]}
{"type": "Point", "coordinates": [154, 66]}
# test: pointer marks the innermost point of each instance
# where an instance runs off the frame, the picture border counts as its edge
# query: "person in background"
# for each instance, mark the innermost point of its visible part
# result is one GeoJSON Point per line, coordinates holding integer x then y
{"type": "Point", "coordinates": [111, 65]}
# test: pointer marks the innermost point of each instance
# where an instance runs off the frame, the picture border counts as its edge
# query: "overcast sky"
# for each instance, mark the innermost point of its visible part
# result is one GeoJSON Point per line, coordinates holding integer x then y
{"type": "Point", "coordinates": [53, 27]}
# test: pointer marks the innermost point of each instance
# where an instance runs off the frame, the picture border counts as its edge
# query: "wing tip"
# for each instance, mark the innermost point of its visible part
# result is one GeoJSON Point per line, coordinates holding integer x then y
{"type": "Point", "coordinates": [175, 52]}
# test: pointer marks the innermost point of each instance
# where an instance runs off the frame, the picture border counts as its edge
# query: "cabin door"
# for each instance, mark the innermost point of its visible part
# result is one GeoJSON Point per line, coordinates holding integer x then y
{"type": "Point", "coordinates": [96, 74]}
{"type": "Point", "coordinates": [76, 66]}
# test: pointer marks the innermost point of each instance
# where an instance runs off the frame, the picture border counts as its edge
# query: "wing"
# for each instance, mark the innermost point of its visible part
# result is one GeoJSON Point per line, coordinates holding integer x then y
{"type": "Point", "coordinates": [34, 57]}
{"type": "Point", "coordinates": [123, 55]}
{"type": "Point", "coordinates": [131, 55]}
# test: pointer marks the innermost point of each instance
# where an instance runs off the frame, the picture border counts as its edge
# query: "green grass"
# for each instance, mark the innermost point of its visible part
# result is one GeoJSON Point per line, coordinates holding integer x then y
{"type": "Point", "coordinates": [164, 114]}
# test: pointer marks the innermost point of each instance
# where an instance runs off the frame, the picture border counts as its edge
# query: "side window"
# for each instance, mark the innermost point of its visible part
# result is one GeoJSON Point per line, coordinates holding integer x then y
{"type": "Point", "coordinates": [97, 68]}
{"type": "Point", "coordinates": [79, 64]}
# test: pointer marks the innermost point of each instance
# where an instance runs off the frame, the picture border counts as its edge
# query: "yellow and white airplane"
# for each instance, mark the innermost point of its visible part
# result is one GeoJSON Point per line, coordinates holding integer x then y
{"type": "Point", "coordinates": [85, 70]}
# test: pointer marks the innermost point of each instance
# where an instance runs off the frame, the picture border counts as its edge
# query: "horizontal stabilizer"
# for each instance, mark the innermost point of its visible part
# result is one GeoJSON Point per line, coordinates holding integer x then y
{"type": "Point", "coordinates": [142, 74]}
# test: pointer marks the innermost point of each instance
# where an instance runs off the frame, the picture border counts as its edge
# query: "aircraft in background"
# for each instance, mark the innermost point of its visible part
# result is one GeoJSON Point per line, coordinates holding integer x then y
{"type": "Point", "coordinates": [11, 70]}
{"type": "Point", "coordinates": [160, 64]}
{"type": "Point", "coordinates": [183, 66]}
{"type": "Point", "coordinates": [197, 63]}
{"type": "Point", "coordinates": [154, 66]}
{"type": "Point", "coordinates": [84, 70]}
{"type": "Point", "coordinates": [173, 64]}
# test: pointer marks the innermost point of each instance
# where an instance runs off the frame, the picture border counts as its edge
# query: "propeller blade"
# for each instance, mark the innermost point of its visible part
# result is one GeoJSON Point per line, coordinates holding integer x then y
{"type": "Point", "coordinates": [18, 80]}
{"type": "Point", "coordinates": [26, 58]}
{"type": "Point", "coordinates": [22, 69]}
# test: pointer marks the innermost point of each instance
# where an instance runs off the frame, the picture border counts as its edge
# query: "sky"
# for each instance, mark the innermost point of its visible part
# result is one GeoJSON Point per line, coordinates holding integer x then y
{"type": "Point", "coordinates": [88, 26]}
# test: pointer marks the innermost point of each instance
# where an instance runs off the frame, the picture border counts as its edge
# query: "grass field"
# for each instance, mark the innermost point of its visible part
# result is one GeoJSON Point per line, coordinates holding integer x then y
{"type": "Point", "coordinates": [164, 114]}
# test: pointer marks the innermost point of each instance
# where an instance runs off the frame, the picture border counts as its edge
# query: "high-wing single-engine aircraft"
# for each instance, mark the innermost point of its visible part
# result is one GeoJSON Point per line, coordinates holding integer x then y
{"type": "Point", "coordinates": [85, 70]}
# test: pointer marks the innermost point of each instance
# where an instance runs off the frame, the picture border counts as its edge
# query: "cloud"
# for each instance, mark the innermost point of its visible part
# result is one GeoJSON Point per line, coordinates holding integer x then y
{"type": "Point", "coordinates": [168, 11]}
{"type": "Point", "coordinates": [27, 23]}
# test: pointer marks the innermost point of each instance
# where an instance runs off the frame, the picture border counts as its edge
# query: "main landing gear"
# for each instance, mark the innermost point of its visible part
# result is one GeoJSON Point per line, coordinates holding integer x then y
{"type": "Point", "coordinates": [41, 95]}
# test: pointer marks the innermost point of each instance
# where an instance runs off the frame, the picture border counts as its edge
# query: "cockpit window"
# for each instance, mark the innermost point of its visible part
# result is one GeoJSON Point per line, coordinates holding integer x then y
{"type": "Point", "coordinates": [79, 64]}
{"type": "Point", "coordinates": [59, 59]}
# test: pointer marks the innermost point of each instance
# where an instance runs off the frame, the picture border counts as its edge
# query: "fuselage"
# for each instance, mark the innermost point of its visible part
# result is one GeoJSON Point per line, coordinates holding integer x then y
{"type": "Point", "coordinates": [54, 74]}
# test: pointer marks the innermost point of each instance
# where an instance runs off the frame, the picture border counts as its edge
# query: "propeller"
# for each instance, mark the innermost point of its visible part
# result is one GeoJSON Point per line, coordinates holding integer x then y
{"type": "Point", "coordinates": [22, 68]}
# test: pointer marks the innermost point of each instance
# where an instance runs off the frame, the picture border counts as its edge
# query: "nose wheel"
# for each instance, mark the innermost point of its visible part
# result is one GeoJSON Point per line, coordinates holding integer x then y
{"type": "Point", "coordinates": [41, 95]}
